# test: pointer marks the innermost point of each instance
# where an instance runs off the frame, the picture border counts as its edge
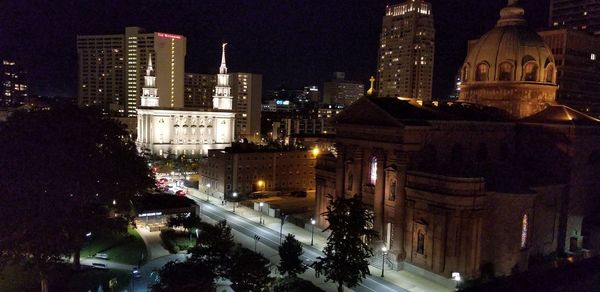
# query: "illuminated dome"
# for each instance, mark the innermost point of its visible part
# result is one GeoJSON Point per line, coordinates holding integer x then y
{"type": "Point", "coordinates": [510, 67]}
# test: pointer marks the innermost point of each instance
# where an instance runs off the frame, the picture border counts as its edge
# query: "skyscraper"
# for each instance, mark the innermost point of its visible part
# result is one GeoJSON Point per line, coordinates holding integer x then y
{"type": "Point", "coordinates": [111, 69]}
{"type": "Point", "coordinates": [199, 89]}
{"type": "Point", "coordinates": [246, 89]}
{"type": "Point", "coordinates": [405, 64]}
{"type": "Point", "coordinates": [342, 91]}
{"type": "Point", "coordinates": [576, 14]}
{"type": "Point", "coordinates": [12, 84]}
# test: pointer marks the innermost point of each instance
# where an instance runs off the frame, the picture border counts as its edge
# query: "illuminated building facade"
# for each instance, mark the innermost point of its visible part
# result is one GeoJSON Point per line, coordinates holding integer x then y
{"type": "Point", "coordinates": [199, 90]}
{"type": "Point", "coordinates": [111, 69]}
{"type": "Point", "coordinates": [407, 43]}
{"type": "Point", "coordinates": [13, 84]}
{"type": "Point", "coordinates": [480, 186]}
{"type": "Point", "coordinates": [575, 14]}
{"type": "Point", "coordinates": [173, 131]}
{"type": "Point", "coordinates": [341, 91]}
{"type": "Point", "coordinates": [246, 90]}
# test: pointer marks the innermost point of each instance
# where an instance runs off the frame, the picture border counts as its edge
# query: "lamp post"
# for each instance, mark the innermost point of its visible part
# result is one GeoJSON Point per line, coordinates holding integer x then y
{"type": "Point", "coordinates": [234, 200]}
{"type": "Point", "coordinates": [207, 188]}
{"type": "Point", "coordinates": [256, 239]}
{"type": "Point", "coordinates": [261, 204]}
{"type": "Point", "coordinates": [312, 231]}
{"type": "Point", "coordinates": [384, 253]}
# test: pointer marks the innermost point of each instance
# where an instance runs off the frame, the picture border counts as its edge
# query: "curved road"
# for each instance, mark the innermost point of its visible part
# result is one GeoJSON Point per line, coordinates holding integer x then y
{"type": "Point", "coordinates": [270, 238]}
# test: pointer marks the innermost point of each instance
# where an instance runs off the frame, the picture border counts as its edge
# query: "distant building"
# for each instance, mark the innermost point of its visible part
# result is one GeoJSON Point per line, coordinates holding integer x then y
{"type": "Point", "coordinates": [342, 91]}
{"type": "Point", "coordinates": [312, 93]}
{"type": "Point", "coordinates": [111, 69]}
{"type": "Point", "coordinates": [245, 168]}
{"type": "Point", "coordinates": [199, 90]}
{"type": "Point", "coordinates": [575, 14]}
{"type": "Point", "coordinates": [246, 90]}
{"type": "Point", "coordinates": [173, 131]}
{"type": "Point", "coordinates": [405, 64]}
{"type": "Point", "coordinates": [13, 84]}
{"type": "Point", "coordinates": [577, 56]}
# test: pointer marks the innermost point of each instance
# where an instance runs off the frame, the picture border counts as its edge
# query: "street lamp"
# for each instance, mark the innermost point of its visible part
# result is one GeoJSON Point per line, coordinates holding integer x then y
{"type": "Point", "coordinates": [207, 188]}
{"type": "Point", "coordinates": [234, 200]}
{"type": "Point", "coordinates": [260, 184]}
{"type": "Point", "coordinates": [312, 231]}
{"type": "Point", "coordinates": [261, 204]}
{"type": "Point", "coordinates": [384, 253]}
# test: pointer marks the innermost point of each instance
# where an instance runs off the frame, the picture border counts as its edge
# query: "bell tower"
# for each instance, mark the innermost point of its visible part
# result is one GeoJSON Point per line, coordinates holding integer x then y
{"type": "Point", "coordinates": [222, 99]}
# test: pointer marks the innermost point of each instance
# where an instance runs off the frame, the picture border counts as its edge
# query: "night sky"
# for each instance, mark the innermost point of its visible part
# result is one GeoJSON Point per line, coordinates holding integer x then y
{"type": "Point", "coordinates": [291, 42]}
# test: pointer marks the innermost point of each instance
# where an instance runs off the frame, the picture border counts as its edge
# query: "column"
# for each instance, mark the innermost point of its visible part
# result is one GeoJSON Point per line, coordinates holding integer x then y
{"type": "Point", "coordinates": [378, 202]}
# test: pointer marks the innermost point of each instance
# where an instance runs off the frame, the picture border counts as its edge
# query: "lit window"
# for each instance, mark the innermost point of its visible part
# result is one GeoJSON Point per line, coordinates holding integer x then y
{"type": "Point", "coordinates": [373, 171]}
{"type": "Point", "coordinates": [530, 71]}
{"type": "Point", "coordinates": [524, 223]}
{"type": "Point", "coordinates": [482, 72]}
{"type": "Point", "coordinates": [593, 56]}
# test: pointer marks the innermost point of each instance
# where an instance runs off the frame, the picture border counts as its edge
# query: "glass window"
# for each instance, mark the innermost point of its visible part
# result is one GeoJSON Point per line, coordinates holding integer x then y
{"type": "Point", "coordinates": [482, 73]}
{"type": "Point", "coordinates": [530, 71]}
{"type": "Point", "coordinates": [392, 196]}
{"type": "Point", "coordinates": [373, 171]}
{"type": "Point", "coordinates": [524, 226]}
{"type": "Point", "coordinates": [506, 72]}
{"type": "Point", "coordinates": [550, 73]}
{"type": "Point", "coordinates": [420, 242]}
{"type": "Point", "coordinates": [350, 182]}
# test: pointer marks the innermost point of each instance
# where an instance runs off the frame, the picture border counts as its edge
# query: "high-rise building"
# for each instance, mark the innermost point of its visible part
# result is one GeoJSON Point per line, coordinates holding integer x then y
{"type": "Point", "coordinates": [342, 91]}
{"type": "Point", "coordinates": [199, 89]}
{"type": "Point", "coordinates": [246, 89]}
{"type": "Point", "coordinates": [577, 58]}
{"type": "Point", "coordinates": [405, 64]}
{"type": "Point", "coordinates": [576, 14]}
{"type": "Point", "coordinates": [13, 84]}
{"type": "Point", "coordinates": [111, 69]}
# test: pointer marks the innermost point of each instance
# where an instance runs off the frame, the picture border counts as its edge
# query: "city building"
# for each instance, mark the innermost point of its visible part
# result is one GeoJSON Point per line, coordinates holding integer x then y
{"type": "Point", "coordinates": [169, 130]}
{"type": "Point", "coordinates": [405, 64]}
{"type": "Point", "coordinates": [246, 90]}
{"type": "Point", "coordinates": [575, 14]}
{"type": "Point", "coordinates": [199, 90]}
{"type": "Point", "coordinates": [13, 84]}
{"type": "Point", "coordinates": [111, 69]}
{"type": "Point", "coordinates": [342, 91]}
{"type": "Point", "coordinates": [246, 168]}
{"type": "Point", "coordinates": [482, 186]}
{"type": "Point", "coordinates": [577, 59]}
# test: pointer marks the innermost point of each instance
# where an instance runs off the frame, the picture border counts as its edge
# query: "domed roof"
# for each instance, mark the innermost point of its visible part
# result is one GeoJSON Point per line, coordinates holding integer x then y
{"type": "Point", "coordinates": [503, 53]}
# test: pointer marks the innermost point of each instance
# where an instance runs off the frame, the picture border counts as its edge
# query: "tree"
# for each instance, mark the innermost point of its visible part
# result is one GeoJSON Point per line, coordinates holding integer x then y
{"type": "Point", "coordinates": [346, 252]}
{"type": "Point", "coordinates": [249, 271]}
{"type": "Point", "coordinates": [290, 252]}
{"type": "Point", "coordinates": [186, 276]}
{"type": "Point", "coordinates": [295, 284]}
{"type": "Point", "coordinates": [61, 170]}
{"type": "Point", "coordinates": [188, 222]}
{"type": "Point", "coordinates": [214, 248]}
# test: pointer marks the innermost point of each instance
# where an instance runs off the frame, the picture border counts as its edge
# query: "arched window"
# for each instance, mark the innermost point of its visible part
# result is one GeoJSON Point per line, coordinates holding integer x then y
{"type": "Point", "coordinates": [420, 242]}
{"type": "Point", "coordinates": [550, 73]}
{"type": "Point", "coordinates": [465, 73]}
{"type": "Point", "coordinates": [524, 230]}
{"type": "Point", "coordinates": [373, 171]}
{"type": "Point", "coordinates": [482, 73]}
{"type": "Point", "coordinates": [505, 72]}
{"type": "Point", "coordinates": [530, 71]}
{"type": "Point", "coordinates": [350, 182]}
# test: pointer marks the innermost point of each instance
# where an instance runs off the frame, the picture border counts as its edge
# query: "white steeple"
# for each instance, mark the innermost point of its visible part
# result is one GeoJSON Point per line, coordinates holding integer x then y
{"type": "Point", "coordinates": [222, 99]}
{"type": "Point", "coordinates": [149, 96]}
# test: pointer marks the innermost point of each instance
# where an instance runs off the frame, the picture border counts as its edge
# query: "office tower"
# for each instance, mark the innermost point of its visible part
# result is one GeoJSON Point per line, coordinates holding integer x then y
{"type": "Point", "coordinates": [577, 58]}
{"type": "Point", "coordinates": [405, 64]}
{"type": "Point", "coordinates": [342, 91]}
{"type": "Point", "coordinates": [112, 67]}
{"type": "Point", "coordinates": [575, 14]}
{"type": "Point", "coordinates": [246, 89]}
{"type": "Point", "coordinates": [12, 83]}
{"type": "Point", "coordinates": [199, 89]}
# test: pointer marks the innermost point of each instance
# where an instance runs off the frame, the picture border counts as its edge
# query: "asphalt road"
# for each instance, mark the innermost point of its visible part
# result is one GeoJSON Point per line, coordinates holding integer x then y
{"type": "Point", "coordinates": [270, 238]}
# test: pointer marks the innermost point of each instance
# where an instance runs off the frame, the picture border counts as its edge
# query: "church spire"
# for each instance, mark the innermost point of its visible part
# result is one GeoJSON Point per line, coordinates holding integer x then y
{"type": "Point", "coordinates": [149, 70]}
{"type": "Point", "coordinates": [223, 69]}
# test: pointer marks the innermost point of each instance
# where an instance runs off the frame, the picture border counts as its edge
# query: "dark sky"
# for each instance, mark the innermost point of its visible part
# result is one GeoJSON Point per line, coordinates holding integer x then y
{"type": "Point", "coordinates": [291, 42]}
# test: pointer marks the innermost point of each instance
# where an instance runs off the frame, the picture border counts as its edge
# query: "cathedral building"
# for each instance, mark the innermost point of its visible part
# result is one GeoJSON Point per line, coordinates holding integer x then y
{"type": "Point", "coordinates": [480, 186]}
{"type": "Point", "coordinates": [170, 130]}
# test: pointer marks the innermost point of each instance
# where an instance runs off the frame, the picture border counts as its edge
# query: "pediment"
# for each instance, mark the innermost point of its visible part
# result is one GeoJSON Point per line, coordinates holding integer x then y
{"type": "Point", "coordinates": [365, 112]}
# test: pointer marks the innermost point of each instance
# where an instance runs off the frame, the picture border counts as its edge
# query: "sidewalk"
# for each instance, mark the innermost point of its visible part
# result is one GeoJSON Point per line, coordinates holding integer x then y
{"type": "Point", "coordinates": [153, 243]}
{"type": "Point", "coordinates": [401, 278]}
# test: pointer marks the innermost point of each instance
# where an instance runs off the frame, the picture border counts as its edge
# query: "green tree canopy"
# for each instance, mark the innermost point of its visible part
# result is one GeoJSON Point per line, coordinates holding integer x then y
{"type": "Point", "coordinates": [249, 271]}
{"type": "Point", "coordinates": [290, 253]}
{"type": "Point", "coordinates": [347, 251]}
{"type": "Point", "coordinates": [186, 277]}
{"type": "Point", "coordinates": [61, 170]}
{"type": "Point", "coordinates": [214, 248]}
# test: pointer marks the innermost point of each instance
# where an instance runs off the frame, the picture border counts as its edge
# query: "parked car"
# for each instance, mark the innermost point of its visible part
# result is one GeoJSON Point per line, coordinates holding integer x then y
{"type": "Point", "coordinates": [99, 266]}
{"type": "Point", "coordinates": [180, 193]}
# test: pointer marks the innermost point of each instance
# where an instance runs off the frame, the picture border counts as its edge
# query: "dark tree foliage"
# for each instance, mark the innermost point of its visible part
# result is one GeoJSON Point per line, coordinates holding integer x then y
{"type": "Point", "coordinates": [186, 276]}
{"type": "Point", "coordinates": [187, 222]}
{"type": "Point", "coordinates": [346, 254]}
{"type": "Point", "coordinates": [61, 169]}
{"type": "Point", "coordinates": [214, 248]}
{"type": "Point", "coordinates": [290, 253]}
{"type": "Point", "coordinates": [249, 271]}
{"type": "Point", "coordinates": [295, 284]}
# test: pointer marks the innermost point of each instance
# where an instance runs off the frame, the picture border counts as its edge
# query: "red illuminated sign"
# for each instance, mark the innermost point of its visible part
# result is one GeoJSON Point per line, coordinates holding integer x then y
{"type": "Point", "coordinates": [171, 36]}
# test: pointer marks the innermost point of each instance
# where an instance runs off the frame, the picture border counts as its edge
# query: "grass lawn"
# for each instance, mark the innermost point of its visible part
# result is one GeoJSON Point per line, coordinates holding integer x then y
{"type": "Point", "coordinates": [126, 249]}
{"type": "Point", "coordinates": [175, 240]}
